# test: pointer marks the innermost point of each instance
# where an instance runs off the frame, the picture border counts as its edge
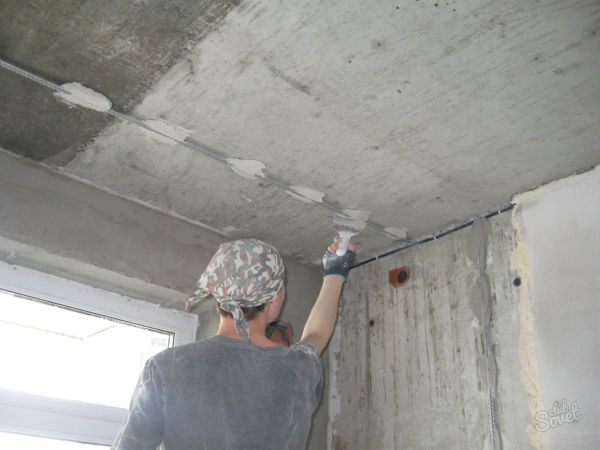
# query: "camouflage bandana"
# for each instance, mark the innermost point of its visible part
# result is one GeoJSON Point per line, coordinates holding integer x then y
{"type": "Point", "coordinates": [243, 273]}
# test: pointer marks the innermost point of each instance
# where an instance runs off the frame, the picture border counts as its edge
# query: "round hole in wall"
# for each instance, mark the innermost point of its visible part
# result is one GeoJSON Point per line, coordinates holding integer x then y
{"type": "Point", "coordinates": [517, 281]}
{"type": "Point", "coordinates": [371, 322]}
{"type": "Point", "coordinates": [402, 276]}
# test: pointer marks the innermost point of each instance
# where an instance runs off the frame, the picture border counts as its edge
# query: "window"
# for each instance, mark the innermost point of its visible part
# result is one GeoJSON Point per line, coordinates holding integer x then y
{"type": "Point", "coordinates": [71, 358]}
{"type": "Point", "coordinates": [24, 442]}
{"type": "Point", "coordinates": [81, 356]}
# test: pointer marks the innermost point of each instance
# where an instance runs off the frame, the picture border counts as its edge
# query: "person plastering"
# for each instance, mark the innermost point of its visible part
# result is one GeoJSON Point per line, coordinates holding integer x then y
{"type": "Point", "coordinates": [238, 389]}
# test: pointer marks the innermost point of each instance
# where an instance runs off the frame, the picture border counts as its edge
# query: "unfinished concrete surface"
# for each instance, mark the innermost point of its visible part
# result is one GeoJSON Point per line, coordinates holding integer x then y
{"type": "Point", "coordinates": [63, 227]}
{"type": "Point", "coordinates": [120, 48]}
{"type": "Point", "coordinates": [82, 225]}
{"type": "Point", "coordinates": [80, 222]}
{"type": "Point", "coordinates": [408, 364]}
{"type": "Point", "coordinates": [423, 113]}
{"type": "Point", "coordinates": [66, 228]}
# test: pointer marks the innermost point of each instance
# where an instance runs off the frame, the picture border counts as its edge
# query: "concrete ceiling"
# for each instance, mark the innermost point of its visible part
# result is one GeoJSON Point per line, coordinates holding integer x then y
{"type": "Point", "coordinates": [422, 112]}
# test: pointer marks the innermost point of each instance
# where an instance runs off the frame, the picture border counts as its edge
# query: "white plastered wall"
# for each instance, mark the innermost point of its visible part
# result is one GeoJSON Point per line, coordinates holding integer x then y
{"type": "Point", "coordinates": [560, 223]}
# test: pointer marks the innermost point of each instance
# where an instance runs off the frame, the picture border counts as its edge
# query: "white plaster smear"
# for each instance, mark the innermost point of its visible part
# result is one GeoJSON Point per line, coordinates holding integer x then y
{"type": "Point", "coordinates": [163, 131]}
{"type": "Point", "coordinates": [305, 194]}
{"type": "Point", "coordinates": [78, 94]}
{"type": "Point", "coordinates": [400, 233]}
{"type": "Point", "coordinates": [352, 220]}
{"type": "Point", "coordinates": [349, 224]}
{"type": "Point", "coordinates": [247, 168]}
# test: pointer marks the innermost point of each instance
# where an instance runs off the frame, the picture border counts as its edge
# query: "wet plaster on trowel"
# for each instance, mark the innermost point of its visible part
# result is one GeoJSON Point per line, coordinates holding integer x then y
{"type": "Point", "coordinates": [526, 347]}
{"type": "Point", "coordinates": [78, 94]}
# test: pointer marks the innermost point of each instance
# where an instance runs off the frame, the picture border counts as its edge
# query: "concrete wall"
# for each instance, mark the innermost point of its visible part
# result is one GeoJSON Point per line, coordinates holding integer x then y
{"type": "Point", "coordinates": [408, 368]}
{"type": "Point", "coordinates": [61, 226]}
{"type": "Point", "coordinates": [560, 223]}
{"type": "Point", "coordinates": [80, 222]}
{"type": "Point", "coordinates": [418, 376]}
{"type": "Point", "coordinates": [408, 364]}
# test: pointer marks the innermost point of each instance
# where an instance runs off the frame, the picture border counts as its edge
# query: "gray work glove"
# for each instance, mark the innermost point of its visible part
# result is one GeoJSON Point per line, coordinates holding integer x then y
{"type": "Point", "coordinates": [338, 266]}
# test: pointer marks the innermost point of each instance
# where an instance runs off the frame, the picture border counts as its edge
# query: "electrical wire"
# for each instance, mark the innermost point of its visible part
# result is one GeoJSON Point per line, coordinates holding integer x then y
{"type": "Point", "coordinates": [193, 145]}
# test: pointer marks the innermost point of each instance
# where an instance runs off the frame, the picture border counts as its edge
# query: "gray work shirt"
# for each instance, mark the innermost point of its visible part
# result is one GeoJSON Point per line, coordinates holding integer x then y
{"type": "Point", "coordinates": [223, 393]}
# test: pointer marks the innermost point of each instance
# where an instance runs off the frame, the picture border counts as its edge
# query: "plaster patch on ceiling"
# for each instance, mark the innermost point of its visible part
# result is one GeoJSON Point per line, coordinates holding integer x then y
{"type": "Point", "coordinates": [163, 131]}
{"type": "Point", "coordinates": [77, 94]}
{"type": "Point", "coordinates": [400, 233]}
{"type": "Point", "coordinates": [349, 223]}
{"type": "Point", "coordinates": [305, 194]}
{"type": "Point", "coordinates": [402, 124]}
{"type": "Point", "coordinates": [247, 168]}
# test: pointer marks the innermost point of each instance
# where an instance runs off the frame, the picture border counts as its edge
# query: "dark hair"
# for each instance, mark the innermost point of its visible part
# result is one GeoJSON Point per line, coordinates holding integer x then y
{"type": "Point", "coordinates": [249, 313]}
{"type": "Point", "coordinates": [283, 329]}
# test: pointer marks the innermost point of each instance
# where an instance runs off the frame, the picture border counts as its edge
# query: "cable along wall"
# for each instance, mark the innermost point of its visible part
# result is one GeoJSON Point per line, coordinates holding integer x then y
{"type": "Point", "coordinates": [414, 366]}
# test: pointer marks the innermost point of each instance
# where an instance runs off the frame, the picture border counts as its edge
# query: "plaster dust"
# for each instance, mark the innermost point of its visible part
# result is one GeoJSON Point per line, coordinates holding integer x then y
{"type": "Point", "coordinates": [247, 168]}
{"type": "Point", "coordinates": [163, 131]}
{"type": "Point", "coordinates": [78, 94]}
{"type": "Point", "coordinates": [305, 194]}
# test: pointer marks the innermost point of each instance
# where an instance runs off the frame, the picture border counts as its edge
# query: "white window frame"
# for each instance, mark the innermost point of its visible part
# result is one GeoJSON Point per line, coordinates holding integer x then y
{"type": "Point", "coordinates": [67, 419]}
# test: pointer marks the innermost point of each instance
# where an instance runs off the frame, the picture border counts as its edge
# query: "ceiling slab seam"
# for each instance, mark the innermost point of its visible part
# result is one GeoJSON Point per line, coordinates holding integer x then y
{"type": "Point", "coordinates": [80, 95]}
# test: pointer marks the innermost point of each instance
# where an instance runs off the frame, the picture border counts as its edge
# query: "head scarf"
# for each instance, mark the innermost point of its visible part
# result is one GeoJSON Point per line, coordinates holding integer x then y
{"type": "Point", "coordinates": [243, 273]}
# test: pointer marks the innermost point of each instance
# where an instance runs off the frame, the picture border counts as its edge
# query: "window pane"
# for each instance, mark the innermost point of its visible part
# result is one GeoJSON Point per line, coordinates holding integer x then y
{"type": "Point", "coordinates": [61, 353]}
{"type": "Point", "coordinates": [24, 442]}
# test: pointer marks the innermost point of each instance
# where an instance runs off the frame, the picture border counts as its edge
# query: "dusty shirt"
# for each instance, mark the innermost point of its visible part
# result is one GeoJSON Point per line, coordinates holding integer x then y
{"type": "Point", "coordinates": [223, 393]}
